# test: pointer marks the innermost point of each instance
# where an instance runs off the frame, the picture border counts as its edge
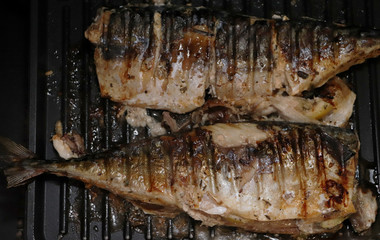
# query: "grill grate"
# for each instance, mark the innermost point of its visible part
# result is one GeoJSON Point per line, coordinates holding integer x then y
{"type": "Point", "coordinates": [65, 209]}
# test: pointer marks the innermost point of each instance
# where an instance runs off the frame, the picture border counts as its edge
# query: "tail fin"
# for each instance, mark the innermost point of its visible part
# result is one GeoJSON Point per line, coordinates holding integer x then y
{"type": "Point", "coordinates": [18, 162]}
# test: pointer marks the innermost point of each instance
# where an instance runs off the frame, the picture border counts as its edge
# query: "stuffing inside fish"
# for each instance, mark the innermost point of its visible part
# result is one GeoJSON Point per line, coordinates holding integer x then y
{"type": "Point", "coordinates": [332, 104]}
{"type": "Point", "coordinates": [275, 177]}
{"type": "Point", "coordinates": [173, 55]}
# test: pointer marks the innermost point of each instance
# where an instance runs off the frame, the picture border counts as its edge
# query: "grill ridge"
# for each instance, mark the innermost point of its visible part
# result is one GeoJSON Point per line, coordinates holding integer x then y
{"type": "Point", "coordinates": [64, 109]}
{"type": "Point", "coordinates": [127, 228]}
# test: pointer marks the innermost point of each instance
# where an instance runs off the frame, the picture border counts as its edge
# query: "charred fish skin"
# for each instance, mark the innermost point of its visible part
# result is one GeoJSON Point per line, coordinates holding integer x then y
{"type": "Point", "coordinates": [294, 163]}
{"type": "Point", "coordinates": [297, 177]}
{"type": "Point", "coordinates": [170, 56]}
{"type": "Point", "coordinates": [155, 55]}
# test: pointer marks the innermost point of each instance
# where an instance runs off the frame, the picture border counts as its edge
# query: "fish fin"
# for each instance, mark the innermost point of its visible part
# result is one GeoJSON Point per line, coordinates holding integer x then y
{"type": "Point", "coordinates": [19, 175]}
{"type": "Point", "coordinates": [18, 163]}
{"type": "Point", "coordinates": [12, 151]}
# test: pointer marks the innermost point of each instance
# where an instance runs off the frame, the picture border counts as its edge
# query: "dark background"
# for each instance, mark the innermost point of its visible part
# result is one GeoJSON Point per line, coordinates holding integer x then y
{"type": "Point", "coordinates": [14, 48]}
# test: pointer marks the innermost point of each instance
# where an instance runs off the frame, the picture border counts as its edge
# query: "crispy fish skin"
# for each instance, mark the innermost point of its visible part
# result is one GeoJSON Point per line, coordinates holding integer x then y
{"type": "Point", "coordinates": [259, 176]}
{"type": "Point", "coordinates": [165, 58]}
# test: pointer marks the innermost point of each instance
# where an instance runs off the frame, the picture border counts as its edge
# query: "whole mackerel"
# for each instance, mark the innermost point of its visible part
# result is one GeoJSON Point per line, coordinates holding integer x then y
{"type": "Point", "coordinates": [260, 176]}
{"type": "Point", "coordinates": [166, 57]}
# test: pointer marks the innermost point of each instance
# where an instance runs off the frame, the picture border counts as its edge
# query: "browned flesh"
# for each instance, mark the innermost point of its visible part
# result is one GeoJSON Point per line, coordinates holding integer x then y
{"type": "Point", "coordinates": [167, 58]}
{"type": "Point", "coordinates": [259, 176]}
{"type": "Point", "coordinates": [331, 104]}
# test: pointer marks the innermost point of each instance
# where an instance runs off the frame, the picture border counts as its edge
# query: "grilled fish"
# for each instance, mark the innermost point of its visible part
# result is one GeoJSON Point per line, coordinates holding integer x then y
{"type": "Point", "coordinates": [166, 58]}
{"type": "Point", "coordinates": [260, 176]}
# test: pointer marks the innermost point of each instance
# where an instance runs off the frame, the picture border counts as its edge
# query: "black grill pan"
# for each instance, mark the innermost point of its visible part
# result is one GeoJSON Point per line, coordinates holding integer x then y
{"type": "Point", "coordinates": [63, 86]}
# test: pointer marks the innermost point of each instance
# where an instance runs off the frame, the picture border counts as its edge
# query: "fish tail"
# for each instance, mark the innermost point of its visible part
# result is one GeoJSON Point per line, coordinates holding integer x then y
{"type": "Point", "coordinates": [18, 162]}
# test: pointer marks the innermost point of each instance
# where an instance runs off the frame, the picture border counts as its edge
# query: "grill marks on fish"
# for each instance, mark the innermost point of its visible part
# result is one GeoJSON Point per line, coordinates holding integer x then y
{"type": "Point", "coordinates": [289, 177]}
{"type": "Point", "coordinates": [290, 141]}
{"type": "Point", "coordinates": [150, 163]}
{"type": "Point", "coordinates": [299, 169]}
{"type": "Point", "coordinates": [265, 157]}
{"type": "Point", "coordinates": [302, 164]}
{"type": "Point", "coordinates": [241, 73]}
{"type": "Point", "coordinates": [300, 45]}
{"type": "Point", "coordinates": [163, 65]}
{"type": "Point", "coordinates": [166, 58]}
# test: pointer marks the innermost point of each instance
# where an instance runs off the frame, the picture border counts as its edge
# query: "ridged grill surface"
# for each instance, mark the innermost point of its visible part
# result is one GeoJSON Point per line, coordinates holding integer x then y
{"type": "Point", "coordinates": [63, 86]}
